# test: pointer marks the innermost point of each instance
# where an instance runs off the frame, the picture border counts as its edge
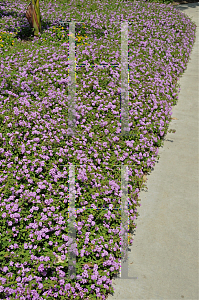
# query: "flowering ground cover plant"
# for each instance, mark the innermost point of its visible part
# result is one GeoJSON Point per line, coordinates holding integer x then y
{"type": "Point", "coordinates": [36, 152]}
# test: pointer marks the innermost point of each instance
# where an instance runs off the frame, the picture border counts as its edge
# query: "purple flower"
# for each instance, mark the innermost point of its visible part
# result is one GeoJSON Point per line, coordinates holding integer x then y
{"type": "Point", "coordinates": [61, 281]}
{"type": "Point", "coordinates": [25, 246]}
{"type": "Point", "coordinates": [67, 286]}
{"type": "Point", "coordinates": [63, 257]}
{"type": "Point", "coordinates": [61, 273]}
{"type": "Point", "coordinates": [5, 269]}
{"type": "Point", "coordinates": [18, 279]}
{"type": "Point", "coordinates": [41, 268]}
{"type": "Point", "coordinates": [40, 286]}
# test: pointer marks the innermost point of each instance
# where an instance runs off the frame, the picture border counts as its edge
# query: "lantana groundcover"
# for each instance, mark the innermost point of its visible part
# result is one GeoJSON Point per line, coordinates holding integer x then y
{"type": "Point", "coordinates": [36, 151]}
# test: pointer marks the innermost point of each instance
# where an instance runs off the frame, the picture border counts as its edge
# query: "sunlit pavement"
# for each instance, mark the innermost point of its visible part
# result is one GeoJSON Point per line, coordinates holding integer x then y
{"type": "Point", "coordinates": [164, 254]}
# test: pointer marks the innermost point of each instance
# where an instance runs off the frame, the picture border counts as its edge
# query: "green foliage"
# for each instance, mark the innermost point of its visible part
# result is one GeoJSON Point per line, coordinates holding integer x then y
{"type": "Point", "coordinates": [6, 40]}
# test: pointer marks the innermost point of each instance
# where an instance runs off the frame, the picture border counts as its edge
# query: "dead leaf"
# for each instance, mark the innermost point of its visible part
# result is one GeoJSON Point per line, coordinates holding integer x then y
{"type": "Point", "coordinates": [174, 118]}
{"type": "Point", "coordinates": [59, 260]}
{"type": "Point", "coordinates": [89, 264]}
{"type": "Point", "coordinates": [144, 177]}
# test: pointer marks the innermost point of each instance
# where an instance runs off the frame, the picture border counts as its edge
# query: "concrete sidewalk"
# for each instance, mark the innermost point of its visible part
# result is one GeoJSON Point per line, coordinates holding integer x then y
{"type": "Point", "coordinates": [164, 254]}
